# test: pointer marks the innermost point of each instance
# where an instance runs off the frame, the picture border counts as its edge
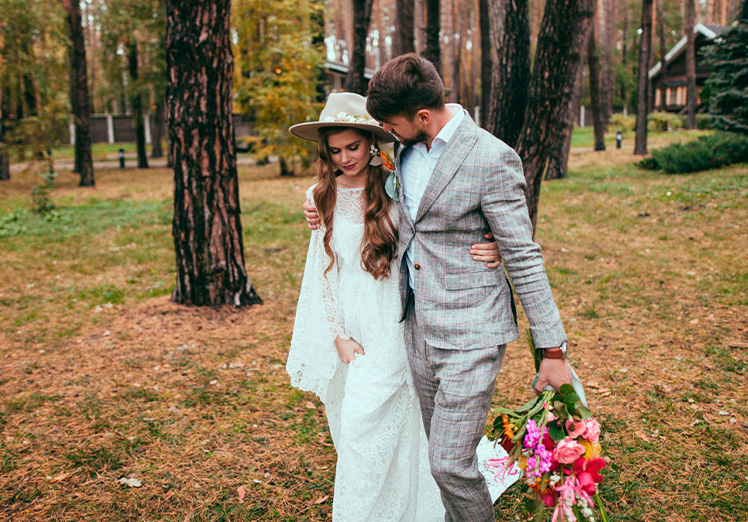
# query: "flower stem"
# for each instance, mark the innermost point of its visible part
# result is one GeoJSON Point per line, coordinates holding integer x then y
{"type": "Point", "coordinates": [600, 507]}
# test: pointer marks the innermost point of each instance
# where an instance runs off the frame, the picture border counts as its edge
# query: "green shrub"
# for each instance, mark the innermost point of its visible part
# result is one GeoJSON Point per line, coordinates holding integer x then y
{"type": "Point", "coordinates": [708, 152]}
{"type": "Point", "coordinates": [704, 121]}
{"type": "Point", "coordinates": [623, 123]}
{"type": "Point", "coordinates": [664, 122]}
{"type": "Point", "coordinates": [648, 164]}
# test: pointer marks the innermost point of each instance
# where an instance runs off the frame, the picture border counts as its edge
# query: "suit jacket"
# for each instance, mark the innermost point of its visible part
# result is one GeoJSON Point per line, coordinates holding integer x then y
{"type": "Point", "coordinates": [477, 186]}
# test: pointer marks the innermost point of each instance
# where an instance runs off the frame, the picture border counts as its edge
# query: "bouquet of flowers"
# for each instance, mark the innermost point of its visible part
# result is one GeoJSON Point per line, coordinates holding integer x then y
{"type": "Point", "coordinates": [555, 442]}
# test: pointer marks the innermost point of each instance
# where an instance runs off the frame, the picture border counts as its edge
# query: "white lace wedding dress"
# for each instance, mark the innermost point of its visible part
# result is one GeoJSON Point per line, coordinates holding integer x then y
{"type": "Point", "coordinates": [382, 473]}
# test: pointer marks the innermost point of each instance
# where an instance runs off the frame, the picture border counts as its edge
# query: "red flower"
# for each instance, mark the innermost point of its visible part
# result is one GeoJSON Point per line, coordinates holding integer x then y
{"type": "Point", "coordinates": [588, 473]}
{"type": "Point", "coordinates": [506, 443]}
{"type": "Point", "coordinates": [549, 499]}
{"type": "Point", "coordinates": [548, 442]}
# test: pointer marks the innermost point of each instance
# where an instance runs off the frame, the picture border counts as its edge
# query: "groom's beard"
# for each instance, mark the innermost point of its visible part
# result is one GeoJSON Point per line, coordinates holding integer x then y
{"type": "Point", "coordinates": [418, 138]}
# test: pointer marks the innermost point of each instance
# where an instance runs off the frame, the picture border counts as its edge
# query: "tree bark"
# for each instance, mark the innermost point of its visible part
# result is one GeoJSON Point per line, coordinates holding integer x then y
{"type": "Point", "coordinates": [562, 38]}
{"type": "Point", "coordinates": [558, 161]}
{"type": "Point", "coordinates": [487, 59]}
{"type": "Point", "coordinates": [356, 81]}
{"type": "Point", "coordinates": [690, 65]}
{"type": "Point", "coordinates": [511, 74]}
{"type": "Point", "coordinates": [404, 41]}
{"type": "Point", "coordinates": [645, 48]}
{"type": "Point", "coordinates": [136, 101]}
{"type": "Point", "coordinates": [663, 46]}
{"type": "Point", "coordinates": [4, 114]}
{"type": "Point", "coordinates": [432, 52]}
{"type": "Point", "coordinates": [610, 73]}
{"type": "Point", "coordinates": [624, 51]}
{"type": "Point", "coordinates": [207, 226]}
{"type": "Point", "coordinates": [4, 117]}
{"type": "Point", "coordinates": [452, 57]}
{"type": "Point", "coordinates": [157, 128]}
{"type": "Point", "coordinates": [597, 113]}
{"type": "Point", "coordinates": [79, 93]}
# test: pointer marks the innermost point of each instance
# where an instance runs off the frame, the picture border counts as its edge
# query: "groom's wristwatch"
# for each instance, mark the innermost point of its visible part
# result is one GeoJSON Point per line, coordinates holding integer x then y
{"type": "Point", "coordinates": [556, 353]}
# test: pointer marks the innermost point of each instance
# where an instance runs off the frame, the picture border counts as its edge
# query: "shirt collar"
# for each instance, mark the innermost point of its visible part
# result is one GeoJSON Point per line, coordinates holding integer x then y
{"type": "Point", "coordinates": [447, 132]}
{"type": "Point", "coordinates": [445, 135]}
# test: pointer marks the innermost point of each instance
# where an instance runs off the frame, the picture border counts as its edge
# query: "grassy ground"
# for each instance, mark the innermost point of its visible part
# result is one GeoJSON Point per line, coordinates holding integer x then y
{"type": "Point", "coordinates": [102, 377]}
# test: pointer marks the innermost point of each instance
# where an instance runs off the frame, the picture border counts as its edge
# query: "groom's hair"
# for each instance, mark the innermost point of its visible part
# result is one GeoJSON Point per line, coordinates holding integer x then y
{"type": "Point", "coordinates": [403, 86]}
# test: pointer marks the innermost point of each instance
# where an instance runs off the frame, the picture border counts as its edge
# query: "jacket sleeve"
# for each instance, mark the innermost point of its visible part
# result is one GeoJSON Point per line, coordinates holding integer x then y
{"type": "Point", "coordinates": [503, 204]}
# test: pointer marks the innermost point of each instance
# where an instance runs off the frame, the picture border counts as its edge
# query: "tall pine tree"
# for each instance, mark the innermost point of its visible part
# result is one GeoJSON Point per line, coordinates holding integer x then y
{"type": "Point", "coordinates": [728, 59]}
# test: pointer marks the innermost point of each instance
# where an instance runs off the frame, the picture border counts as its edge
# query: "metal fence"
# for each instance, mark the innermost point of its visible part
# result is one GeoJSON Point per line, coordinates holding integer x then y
{"type": "Point", "coordinates": [120, 128]}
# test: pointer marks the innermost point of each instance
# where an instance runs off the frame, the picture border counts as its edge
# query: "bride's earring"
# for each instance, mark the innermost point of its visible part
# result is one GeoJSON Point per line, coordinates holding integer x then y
{"type": "Point", "coordinates": [376, 159]}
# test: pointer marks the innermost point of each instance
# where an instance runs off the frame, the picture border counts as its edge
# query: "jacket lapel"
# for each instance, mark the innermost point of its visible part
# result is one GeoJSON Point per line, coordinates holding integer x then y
{"type": "Point", "coordinates": [401, 202]}
{"type": "Point", "coordinates": [454, 154]}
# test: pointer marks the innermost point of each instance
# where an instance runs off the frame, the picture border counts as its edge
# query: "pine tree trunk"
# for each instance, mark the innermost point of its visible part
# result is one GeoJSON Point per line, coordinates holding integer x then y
{"type": "Point", "coordinates": [79, 92]}
{"type": "Point", "coordinates": [663, 46]}
{"type": "Point", "coordinates": [511, 73]}
{"type": "Point", "coordinates": [610, 39]}
{"type": "Point", "coordinates": [285, 168]}
{"type": "Point", "coordinates": [207, 225]}
{"type": "Point", "coordinates": [645, 48]}
{"type": "Point", "coordinates": [597, 114]}
{"type": "Point", "coordinates": [624, 52]}
{"type": "Point", "coordinates": [4, 116]}
{"type": "Point", "coordinates": [690, 65]}
{"type": "Point", "coordinates": [136, 101]}
{"type": "Point", "coordinates": [432, 52]}
{"type": "Point", "coordinates": [451, 59]}
{"type": "Point", "coordinates": [558, 161]}
{"type": "Point", "coordinates": [356, 81]}
{"type": "Point", "coordinates": [562, 39]}
{"type": "Point", "coordinates": [487, 59]}
{"type": "Point", "coordinates": [157, 128]}
{"type": "Point", "coordinates": [404, 41]}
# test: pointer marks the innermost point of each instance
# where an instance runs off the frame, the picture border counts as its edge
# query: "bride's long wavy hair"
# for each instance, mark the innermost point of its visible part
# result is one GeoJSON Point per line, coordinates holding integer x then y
{"type": "Point", "coordinates": [379, 244]}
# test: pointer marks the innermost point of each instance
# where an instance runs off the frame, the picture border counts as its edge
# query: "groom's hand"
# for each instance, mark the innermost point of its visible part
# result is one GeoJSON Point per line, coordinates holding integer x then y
{"type": "Point", "coordinates": [553, 372]}
{"type": "Point", "coordinates": [311, 214]}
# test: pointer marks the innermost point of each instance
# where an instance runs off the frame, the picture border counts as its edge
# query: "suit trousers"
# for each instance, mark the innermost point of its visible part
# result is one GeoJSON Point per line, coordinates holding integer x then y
{"type": "Point", "coordinates": [455, 388]}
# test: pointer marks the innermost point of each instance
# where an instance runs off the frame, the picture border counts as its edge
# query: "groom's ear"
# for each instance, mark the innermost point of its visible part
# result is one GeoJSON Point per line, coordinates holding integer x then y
{"type": "Point", "coordinates": [423, 117]}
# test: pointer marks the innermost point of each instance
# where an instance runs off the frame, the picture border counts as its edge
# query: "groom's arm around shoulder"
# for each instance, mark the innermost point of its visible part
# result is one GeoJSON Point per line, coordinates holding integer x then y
{"type": "Point", "coordinates": [504, 207]}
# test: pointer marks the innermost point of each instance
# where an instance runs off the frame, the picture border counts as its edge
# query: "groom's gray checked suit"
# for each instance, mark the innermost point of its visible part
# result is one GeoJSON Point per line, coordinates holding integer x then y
{"type": "Point", "coordinates": [459, 313]}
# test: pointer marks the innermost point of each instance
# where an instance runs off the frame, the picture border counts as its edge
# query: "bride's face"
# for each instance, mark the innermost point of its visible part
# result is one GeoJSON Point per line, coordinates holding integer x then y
{"type": "Point", "coordinates": [349, 152]}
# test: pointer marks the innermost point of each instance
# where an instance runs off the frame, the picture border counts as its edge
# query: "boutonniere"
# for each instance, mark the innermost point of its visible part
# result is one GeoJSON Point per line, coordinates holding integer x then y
{"type": "Point", "coordinates": [392, 186]}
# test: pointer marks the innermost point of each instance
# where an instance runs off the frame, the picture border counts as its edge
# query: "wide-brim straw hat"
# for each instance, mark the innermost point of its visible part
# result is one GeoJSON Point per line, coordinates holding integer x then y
{"type": "Point", "coordinates": [343, 109]}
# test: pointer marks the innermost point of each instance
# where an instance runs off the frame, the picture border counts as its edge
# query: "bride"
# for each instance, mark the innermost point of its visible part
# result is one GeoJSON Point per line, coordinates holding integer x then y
{"type": "Point", "coordinates": [347, 344]}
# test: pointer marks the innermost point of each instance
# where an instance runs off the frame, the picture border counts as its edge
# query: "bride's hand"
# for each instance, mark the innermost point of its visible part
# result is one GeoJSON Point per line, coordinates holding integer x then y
{"type": "Point", "coordinates": [347, 348]}
{"type": "Point", "coordinates": [311, 215]}
{"type": "Point", "coordinates": [487, 252]}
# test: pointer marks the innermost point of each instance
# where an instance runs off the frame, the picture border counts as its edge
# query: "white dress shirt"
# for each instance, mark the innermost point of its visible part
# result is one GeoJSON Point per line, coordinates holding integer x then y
{"type": "Point", "coordinates": [417, 164]}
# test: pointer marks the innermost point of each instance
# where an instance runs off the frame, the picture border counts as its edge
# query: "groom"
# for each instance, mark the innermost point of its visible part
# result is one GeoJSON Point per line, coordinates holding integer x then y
{"type": "Point", "coordinates": [458, 182]}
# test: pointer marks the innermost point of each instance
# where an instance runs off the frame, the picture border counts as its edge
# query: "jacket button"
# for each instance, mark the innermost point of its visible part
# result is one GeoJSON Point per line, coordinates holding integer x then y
{"type": "Point", "coordinates": [417, 266]}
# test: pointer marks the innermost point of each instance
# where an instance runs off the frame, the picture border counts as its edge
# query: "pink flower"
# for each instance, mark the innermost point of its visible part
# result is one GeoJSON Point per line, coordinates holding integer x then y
{"type": "Point", "coordinates": [567, 451]}
{"type": "Point", "coordinates": [592, 431]}
{"type": "Point", "coordinates": [551, 417]}
{"type": "Point", "coordinates": [575, 428]}
{"type": "Point", "coordinates": [549, 499]}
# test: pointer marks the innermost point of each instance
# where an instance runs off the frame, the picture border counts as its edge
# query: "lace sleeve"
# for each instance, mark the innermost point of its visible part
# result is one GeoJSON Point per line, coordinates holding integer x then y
{"type": "Point", "coordinates": [312, 358]}
{"type": "Point", "coordinates": [329, 280]}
